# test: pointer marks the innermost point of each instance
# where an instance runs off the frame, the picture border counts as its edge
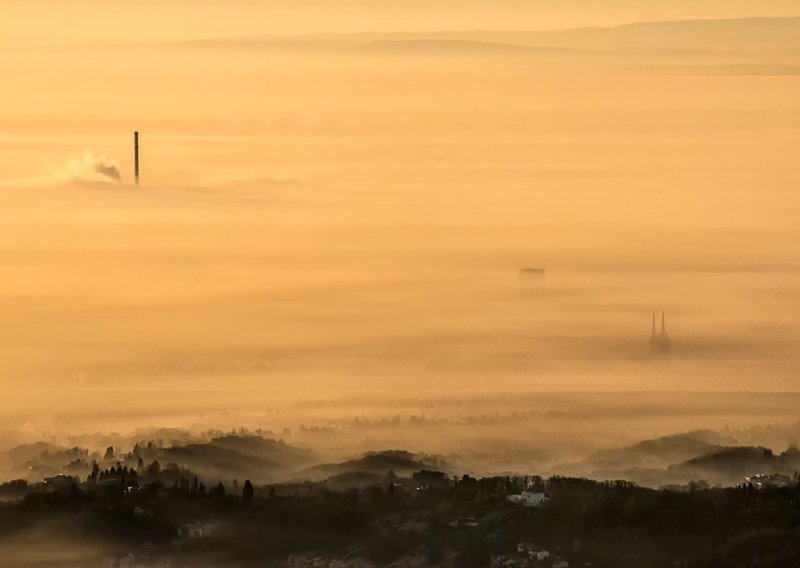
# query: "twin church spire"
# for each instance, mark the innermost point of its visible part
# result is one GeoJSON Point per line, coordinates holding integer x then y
{"type": "Point", "coordinates": [660, 343]}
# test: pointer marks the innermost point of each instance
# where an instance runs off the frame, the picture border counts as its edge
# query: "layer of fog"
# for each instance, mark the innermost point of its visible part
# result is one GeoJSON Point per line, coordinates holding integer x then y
{"type": "Point", "coordinates": [652, 438]}
{"type": "Point", "coordinates": [316, 225]}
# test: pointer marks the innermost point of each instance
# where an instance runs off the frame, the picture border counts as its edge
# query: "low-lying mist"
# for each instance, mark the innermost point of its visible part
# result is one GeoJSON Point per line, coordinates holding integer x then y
{"type": "Point", "coordinates": [321, 227]}
{"type": "Point", "coordinates": [654, 438]}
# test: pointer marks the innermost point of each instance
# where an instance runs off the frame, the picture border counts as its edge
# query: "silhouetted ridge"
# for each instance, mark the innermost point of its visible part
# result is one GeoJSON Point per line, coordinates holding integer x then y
{"type": "Point", "coordinates": [456, 46]}
{"type": "Point", "coordinates": [380, 463]}
{"type": "Point", "coordinates": [239, 456]}
{"type": "Point", "coordinates": [739, 34]}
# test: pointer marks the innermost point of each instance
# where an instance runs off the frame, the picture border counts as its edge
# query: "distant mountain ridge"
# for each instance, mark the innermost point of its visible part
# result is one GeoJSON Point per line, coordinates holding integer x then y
{"type": "Point", "coordinates": [740, 34]}
{"type": "Point", "coordinates": [723, 47]}
{"type": "Point", "coordinates": [461, 45]}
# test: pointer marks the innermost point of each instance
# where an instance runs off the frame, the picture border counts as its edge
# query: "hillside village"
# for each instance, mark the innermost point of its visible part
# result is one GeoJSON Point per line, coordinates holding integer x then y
{"type": "Point", "coordinates": [149, 514]}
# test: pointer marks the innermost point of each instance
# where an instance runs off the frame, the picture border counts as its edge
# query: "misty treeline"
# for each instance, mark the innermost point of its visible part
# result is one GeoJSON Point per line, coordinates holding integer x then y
{"type": "Point", "coordinates": [484, 447]}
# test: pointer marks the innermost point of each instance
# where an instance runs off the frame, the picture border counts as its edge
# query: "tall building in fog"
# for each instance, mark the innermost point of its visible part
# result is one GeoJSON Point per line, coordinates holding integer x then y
{"type": "Point", "coordinates": [660, 343]}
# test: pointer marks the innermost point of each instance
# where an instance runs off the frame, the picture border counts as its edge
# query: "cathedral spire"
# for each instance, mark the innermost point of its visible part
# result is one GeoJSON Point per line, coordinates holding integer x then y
{"type": "Point", "coordinates": [660, 343]}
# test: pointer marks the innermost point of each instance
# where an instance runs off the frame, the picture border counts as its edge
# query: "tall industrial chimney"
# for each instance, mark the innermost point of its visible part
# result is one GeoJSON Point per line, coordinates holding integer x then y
{"type": "Point", "coordinates": [136, 155]}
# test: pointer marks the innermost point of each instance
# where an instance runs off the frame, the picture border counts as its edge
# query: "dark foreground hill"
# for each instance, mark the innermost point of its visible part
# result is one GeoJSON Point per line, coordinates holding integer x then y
{"type": "Point", "coordinates": [463, 522]}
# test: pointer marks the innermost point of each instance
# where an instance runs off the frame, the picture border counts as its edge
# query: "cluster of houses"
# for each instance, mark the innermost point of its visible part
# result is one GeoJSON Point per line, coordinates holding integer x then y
{"type": "Point", "coordinates": [528, 499]}
{"type": "Point", "coordinates": [760, 481]}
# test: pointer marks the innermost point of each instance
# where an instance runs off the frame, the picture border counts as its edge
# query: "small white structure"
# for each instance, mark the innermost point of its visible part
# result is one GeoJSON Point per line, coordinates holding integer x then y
{"type": "Point", "coordinates": [528, 499]}
{"type": "Point", "coordinates": [192, 531]}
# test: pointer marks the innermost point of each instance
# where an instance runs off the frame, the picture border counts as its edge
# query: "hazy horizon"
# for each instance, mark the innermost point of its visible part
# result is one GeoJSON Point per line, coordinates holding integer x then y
{"type": "Point", "coordinates": [321, 218]}
{"type": "Point", "coordinates": [184, 19]}
{"type": "Point", "coordinates": [404, 283]}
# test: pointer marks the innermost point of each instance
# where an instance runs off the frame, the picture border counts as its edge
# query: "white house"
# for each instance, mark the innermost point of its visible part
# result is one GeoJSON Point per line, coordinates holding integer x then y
{"type": "Point", "coordinates": [528, 499]}
{"type": "Point", "coordinates": [194, 531]}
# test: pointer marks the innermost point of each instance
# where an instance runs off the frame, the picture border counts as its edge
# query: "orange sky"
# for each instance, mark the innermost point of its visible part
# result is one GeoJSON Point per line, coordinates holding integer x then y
{"type": "Point", "coordinates": [328, 221]}
{"type": "Point", "coordinates": [181, 19]}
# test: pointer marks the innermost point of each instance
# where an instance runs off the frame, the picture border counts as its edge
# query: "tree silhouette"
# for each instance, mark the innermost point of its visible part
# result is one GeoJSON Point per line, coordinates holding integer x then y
{"type": "Point", "coordinates": [247, 491]}
{"type": "Point", "coordinates": [95, 472]}
{"type": "Point", "coordinates": [154, 469]}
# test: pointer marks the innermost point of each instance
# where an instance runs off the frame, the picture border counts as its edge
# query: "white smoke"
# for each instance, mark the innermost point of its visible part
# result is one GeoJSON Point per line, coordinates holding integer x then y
{"type": "Point", "coordinates": [87, 167]}
{"type": "Point", "coordinates": [93, 167]}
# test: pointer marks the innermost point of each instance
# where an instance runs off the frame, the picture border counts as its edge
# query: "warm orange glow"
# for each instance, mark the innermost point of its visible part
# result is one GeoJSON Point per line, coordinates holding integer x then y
{"type": "Point", "coordinates": [331, 214]}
